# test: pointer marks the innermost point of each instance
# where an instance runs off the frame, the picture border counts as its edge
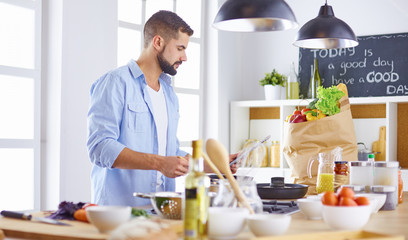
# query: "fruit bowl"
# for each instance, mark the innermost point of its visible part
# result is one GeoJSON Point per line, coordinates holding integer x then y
{"type": "Point", "coordinates": [346, 217]}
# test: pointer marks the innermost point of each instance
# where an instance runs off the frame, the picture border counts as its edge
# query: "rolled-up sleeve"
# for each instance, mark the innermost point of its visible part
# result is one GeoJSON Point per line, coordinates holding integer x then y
{"type": "Point", "coordinates": [104, 117]}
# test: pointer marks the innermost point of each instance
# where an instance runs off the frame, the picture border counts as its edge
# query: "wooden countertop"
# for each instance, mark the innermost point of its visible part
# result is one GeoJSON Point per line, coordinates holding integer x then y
{"type": "Point", "coordinates": [384, 222]}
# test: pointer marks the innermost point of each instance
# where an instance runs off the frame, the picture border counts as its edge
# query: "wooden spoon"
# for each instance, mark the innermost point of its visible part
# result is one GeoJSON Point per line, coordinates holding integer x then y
{"type": "Point", "coordinates": [219, 157]}
{"type": "Point", "coordinates": [213, 167]}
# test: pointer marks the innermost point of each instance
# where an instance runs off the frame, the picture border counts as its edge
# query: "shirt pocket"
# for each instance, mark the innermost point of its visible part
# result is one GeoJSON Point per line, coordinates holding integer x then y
{"type": "Point", "coordinates": [139, 117]}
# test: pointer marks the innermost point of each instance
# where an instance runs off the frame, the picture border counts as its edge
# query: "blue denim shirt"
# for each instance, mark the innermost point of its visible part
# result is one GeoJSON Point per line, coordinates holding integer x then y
{"type": "Point", "coordinates": [120, 115]}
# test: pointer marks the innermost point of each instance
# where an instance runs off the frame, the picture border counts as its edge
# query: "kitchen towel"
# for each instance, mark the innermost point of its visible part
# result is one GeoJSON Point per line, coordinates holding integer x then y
{"type": "Point", "coordinates": [303, 141]}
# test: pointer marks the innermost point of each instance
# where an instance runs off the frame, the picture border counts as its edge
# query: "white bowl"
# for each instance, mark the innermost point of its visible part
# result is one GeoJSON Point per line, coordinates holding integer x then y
{"type": "Point", "coordinates": [311, 208]}
{"type": "Point", "coordinates": [268, 224]}
{"type": "Point", "coordinates": [224, 222]}
{"type": "Point", "coordinates": [107, 218]}
{"type": "Point", "coordinates": [377, 200]}
{"type": "Point", "coordinates": [346, 218]}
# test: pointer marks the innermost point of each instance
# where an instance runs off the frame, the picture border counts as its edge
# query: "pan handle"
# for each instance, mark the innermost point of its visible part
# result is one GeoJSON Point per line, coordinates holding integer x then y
{"type": "Point", "coordinates": [142, 195]}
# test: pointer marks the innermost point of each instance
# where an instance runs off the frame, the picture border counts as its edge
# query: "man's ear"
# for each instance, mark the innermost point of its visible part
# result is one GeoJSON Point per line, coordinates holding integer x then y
{"type": "Point", "coordinates": [158, 42]}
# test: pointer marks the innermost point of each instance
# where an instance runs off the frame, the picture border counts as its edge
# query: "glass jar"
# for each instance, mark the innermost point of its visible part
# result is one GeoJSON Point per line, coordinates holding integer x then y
{"type": "Point", "coordinates": [386, 173]}
{"type": "Point", "coordinates": [275, 154]}
{"type": "Point", "coordinates": [361, 173]}
{"type": "Point", "coordinates": [257, 157]}
{"type": "Point", "coordinates": [340, 173]}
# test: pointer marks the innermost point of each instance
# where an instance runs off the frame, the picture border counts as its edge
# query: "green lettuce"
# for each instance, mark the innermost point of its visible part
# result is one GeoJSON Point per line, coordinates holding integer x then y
{"type": "Point", "coordinates": [328, 100]}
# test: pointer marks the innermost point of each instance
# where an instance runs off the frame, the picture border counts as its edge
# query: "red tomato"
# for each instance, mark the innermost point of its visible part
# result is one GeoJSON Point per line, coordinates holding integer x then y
{"type": "Point", "coordinates": [330, 198]}
{"type": "Point", "coordinates": [296, 112]}
{"type": "Point", "coordinates": [304, 110]}
{"type": "Point", "coordinates": [346, 201]}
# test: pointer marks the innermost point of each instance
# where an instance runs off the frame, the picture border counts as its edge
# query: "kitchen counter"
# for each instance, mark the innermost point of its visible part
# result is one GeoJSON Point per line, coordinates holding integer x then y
{"type": "Point", "coordinates": [384, 222]}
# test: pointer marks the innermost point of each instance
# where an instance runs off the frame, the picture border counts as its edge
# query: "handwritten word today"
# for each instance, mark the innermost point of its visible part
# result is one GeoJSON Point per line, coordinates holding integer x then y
{"type": "Point", "coordinates": [332, 53]}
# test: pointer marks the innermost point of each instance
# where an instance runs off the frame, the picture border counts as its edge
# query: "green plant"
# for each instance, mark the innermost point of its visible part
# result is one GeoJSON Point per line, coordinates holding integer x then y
{"type": "Point", "coordinates": [274, 78]}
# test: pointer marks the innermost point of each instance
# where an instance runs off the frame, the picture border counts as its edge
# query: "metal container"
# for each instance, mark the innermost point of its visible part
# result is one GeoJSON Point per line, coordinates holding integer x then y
{"type": "Point", "coordinates": [165, 204]}
{"type": "Point", "coordinates": [391, 200]}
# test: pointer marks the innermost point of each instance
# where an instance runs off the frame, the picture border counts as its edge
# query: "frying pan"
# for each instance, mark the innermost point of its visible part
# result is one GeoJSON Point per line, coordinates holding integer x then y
{"type": "Point", "coordinates": [277, 189]}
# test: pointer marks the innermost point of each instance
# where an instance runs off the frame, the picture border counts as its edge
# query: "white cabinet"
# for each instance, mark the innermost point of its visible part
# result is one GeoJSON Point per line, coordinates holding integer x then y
{"type": "Point", "coordinates": [257, 119]}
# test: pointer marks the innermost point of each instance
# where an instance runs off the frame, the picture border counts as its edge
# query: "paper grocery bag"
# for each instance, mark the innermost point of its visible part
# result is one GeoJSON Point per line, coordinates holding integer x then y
{"type": "Point", "coordinates": [303, 141]}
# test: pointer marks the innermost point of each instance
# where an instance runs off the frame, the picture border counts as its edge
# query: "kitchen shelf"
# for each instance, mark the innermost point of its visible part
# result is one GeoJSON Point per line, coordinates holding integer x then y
{"type": "Point", "coordinates": [366, 111]}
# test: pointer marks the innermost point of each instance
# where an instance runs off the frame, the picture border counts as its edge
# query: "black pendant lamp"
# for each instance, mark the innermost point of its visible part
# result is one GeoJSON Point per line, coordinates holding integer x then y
{"type": "Point", "coordinates": [255, 16]}
{"type": "Point", "coordinates": [325, 32]}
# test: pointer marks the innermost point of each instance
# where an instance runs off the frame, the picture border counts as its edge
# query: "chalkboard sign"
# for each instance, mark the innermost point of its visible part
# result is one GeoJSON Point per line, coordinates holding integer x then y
{"type": "Point", "coordinates": [378, 66]}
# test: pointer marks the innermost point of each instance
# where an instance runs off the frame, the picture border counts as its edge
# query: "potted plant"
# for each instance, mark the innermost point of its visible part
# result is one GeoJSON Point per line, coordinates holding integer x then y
{"type": "Point", "coordinates": [273, 83]}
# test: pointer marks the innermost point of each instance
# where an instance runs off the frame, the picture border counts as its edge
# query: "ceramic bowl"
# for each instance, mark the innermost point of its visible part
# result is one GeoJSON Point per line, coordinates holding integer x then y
{"type": "Point", "coordinates": [346, 218]}
{"type": "Point", "coordinates": [377, 200]}
{"type": "Point", "coordinates": [107, 218]}
{"type": "Point", "coordinates": [224, 222]}
{"type": "Point", "coordinates": [268, 224]}
{"type": "Point", "coordinates": [311, 208]}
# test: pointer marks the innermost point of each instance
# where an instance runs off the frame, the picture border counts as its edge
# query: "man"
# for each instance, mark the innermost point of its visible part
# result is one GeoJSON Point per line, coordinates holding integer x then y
{"type": "Point", "coordinates": [133, 118]}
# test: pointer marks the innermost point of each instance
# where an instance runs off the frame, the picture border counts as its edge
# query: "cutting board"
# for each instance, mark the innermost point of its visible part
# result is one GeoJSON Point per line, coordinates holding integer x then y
{"type": "Point", "coordinates": [379, 146]}
{"type": "Point", "coordinates": [336, 235]}
{"type": "Point", "coordinates": [16, 228]}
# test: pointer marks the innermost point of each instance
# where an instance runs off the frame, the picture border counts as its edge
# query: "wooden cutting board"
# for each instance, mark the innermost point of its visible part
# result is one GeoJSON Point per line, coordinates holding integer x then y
{"type": "Point", "coordinates": [336, 235]}
{"type": "Point", "coordinates": [379, 146]}
{"type": "Point", "coordinates": [16, 228]}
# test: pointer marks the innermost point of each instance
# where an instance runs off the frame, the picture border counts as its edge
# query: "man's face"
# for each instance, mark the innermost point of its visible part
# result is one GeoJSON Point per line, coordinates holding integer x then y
{"type": "Point", "coordinates": [173, 54]}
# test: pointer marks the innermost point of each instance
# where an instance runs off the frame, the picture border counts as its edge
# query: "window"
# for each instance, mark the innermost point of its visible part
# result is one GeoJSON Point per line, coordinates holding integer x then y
{"type": "Point", "coordinates": [187, 83]}
{"type": "Point", "coordinates": [20, 47]}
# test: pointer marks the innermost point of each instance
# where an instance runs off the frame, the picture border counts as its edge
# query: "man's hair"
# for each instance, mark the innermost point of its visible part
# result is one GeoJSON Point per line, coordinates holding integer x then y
{"type": "Point", "coordinates": [166, 24]}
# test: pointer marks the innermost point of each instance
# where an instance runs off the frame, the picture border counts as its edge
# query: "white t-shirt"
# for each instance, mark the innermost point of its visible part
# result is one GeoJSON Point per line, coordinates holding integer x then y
{"type": "Point", "coordinates": [161, 121]}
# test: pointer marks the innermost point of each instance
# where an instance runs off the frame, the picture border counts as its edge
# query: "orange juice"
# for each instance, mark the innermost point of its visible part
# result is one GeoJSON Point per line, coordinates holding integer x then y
{"type": "Point", "coordinates": [324, 182]}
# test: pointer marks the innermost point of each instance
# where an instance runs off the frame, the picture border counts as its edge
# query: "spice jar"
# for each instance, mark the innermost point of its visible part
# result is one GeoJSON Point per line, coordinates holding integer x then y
{"type": "Point", "coordinates": [389, 191]}
{"type": "Point", "coordinates": [340, 173]}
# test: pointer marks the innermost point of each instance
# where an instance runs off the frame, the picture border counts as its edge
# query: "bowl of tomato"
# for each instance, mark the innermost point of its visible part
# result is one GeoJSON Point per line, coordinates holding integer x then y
{"type": "Point", "coordinates": [344, 210]}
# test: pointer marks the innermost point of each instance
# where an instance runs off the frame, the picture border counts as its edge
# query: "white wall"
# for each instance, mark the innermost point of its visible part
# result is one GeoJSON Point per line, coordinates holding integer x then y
{"type": "Point", "coordinates": [244, 58]}
{"type": "Point", "coordinates": [81, 47]}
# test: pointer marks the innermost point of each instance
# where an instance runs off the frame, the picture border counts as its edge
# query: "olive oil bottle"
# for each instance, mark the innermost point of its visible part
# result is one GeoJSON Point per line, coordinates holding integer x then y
{"type": "Point", "coordinates": [315, 80]}
{"type": "Point", "coordinates": [196, 196]}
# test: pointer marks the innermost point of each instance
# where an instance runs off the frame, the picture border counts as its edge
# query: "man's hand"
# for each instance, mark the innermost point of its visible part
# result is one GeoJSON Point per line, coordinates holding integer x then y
{"type": "Point", "coordinates": [234, 166]}
{"type": "Point", "coordinates": [174, 166]}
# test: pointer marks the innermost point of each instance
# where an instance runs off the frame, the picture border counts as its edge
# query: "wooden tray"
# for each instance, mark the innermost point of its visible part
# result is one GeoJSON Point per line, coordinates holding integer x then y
{"type": "Point", "coordinates": [342, 235]}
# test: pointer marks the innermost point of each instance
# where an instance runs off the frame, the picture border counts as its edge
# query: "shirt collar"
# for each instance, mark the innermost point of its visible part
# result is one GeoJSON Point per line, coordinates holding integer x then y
{"type": "Point", "coordinates": [137, 72]}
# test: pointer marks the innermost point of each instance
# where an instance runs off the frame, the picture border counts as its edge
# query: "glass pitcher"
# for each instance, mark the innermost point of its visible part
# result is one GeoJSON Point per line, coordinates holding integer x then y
{"type": "Point", "coordinates": [325, 172]}
{"type": "Point", "coordinates": [225, 197]}
{"type": "Point", "coordinates": [251, 192]}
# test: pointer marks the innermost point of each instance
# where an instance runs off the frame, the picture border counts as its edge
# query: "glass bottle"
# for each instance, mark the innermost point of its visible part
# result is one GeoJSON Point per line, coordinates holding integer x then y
{"type": "Point", "coordinates": [315, 80]}
{"type": "Point", "coordinates": [400, 187]}
{"type": "Point", "coordinates": [196, 196]}
{"type": "Point", "coordinates": [292, 84]}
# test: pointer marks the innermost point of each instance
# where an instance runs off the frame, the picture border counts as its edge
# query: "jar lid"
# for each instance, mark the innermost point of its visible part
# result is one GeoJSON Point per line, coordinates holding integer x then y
{"type": "Point", "coordinates": [340, 162]}
{"type": "Point", "coordinates": [389, 164]}
{"type": "Point", "coordinates": [382, 188]}
{"type": "Point", "coordinates": [360, 164]}
{"type": "Point", "coordinates": [371, 155]}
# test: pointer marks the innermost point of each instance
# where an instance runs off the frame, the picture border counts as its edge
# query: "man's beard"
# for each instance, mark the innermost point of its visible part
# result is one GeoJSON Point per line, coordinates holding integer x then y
{"type": "Point", "coordinates": [166, 66]}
